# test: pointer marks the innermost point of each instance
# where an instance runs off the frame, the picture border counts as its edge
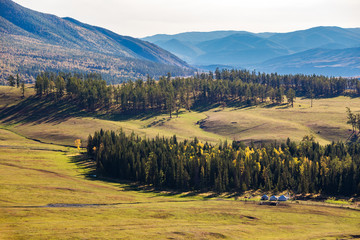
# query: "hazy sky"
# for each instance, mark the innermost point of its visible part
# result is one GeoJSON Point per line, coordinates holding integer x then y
{"type": "Point", "coordinates": [140, 18]}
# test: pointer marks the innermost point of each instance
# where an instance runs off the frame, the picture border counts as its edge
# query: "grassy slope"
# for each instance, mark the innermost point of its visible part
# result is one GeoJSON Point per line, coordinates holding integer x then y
{"type": "Point", "coordinates": [326, 120]}
{"type": "Point", "coordinates": [38, 181]}
{"type": "Point", "coordinates": [61, 125]}
{"type": "Point", "coordinates": [32, 179]}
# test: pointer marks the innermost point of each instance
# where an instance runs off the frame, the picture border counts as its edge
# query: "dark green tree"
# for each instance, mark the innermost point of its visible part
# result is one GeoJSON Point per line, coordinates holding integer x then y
{"type": "Point", "coordinates": [22, 88]}
{"type": "Point", "coordinates": [17, 81]}
{"type": "Point", "coordinates": [290, 95]}
{"type": "Point", "coordinates": [11, 81]}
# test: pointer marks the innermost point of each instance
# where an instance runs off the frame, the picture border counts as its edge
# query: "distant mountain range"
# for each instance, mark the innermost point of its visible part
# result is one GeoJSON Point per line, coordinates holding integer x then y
{"type": "Point", "coordinates": [31, 41]}
{"type": "Point", "coordinates": [320, 50]}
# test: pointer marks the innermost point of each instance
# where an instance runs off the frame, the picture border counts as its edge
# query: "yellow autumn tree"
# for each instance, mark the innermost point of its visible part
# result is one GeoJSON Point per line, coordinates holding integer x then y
{"type": "Point", "coordinates": [77, 143]}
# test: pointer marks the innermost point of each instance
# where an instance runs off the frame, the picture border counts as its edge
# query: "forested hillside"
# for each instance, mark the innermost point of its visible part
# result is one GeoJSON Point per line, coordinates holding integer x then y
{"type": "Point", "coordinates": [32, 42]}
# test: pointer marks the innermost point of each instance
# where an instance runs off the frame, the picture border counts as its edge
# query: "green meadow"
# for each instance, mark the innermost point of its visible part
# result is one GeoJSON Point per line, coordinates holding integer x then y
{"type": "Point", "coordinates": [325, 120]}
{"type": "Point", "coordinates": [47, 193]}
{"type": "Point", "coordinates": [48, 190]}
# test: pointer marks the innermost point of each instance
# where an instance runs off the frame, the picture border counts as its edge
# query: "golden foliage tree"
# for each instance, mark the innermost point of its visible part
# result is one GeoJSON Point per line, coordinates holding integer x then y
{"type": "Point", "coordinates": [77, 143]}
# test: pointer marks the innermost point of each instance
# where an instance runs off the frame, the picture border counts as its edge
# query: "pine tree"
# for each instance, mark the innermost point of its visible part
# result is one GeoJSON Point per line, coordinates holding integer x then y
{"type": "Point", "coordinates": [22, 85]}
{"type": "Point", "coordinates": [17, 81]}
{"type": "Point", "coordinates": [11, 81]}
{"type": "Point", "coordinates": [351, 119]}
{"type": "Point", "coordinates": [291, 96]}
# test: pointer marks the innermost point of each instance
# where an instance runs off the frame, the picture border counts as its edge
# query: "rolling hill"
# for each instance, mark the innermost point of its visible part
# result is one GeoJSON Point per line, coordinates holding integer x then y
{"type": "Point", "coordinates": [192, 37]}
{"type": "Point", "coordinates": [264, 51]}
{"type": "Point", "coordinates": [318, 37]}
{"type": "Point", "coordinates": [32, 41]}
{"type": "Point", "coordinates": [239, 49]}
{"type": "Point", "coordinates": [332, 61]}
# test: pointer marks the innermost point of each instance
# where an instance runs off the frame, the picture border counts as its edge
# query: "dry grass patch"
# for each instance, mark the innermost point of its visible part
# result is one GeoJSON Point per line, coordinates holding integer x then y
{"type": "Point", "coordinates": [326, 120]}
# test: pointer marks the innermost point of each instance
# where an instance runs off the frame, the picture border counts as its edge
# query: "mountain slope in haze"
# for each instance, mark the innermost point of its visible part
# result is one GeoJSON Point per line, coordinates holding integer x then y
{"type": "Point", "coordinates": [250, 50]}
{"type": "Point", "coordinates": [181, 49]}
{"type": "Point", "coordinates": [191, 37]}
{"type": "Point", "coordinates": [318, 37]}
{"type": "Point", "coordinates": [335, 62]}
{"type": "Point", "coordinates": [31, 40]}
{"type": "Point", "coordinates": [239, 49]}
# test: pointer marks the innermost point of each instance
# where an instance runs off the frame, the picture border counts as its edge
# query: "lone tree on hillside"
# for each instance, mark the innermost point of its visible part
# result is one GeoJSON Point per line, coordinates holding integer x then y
{"type": "Point", "coordinates": [352, 119]}
{"type": "Point", "coordinates": [77, 143]}
{"type": "Point", "coordinates": [311, 95]}
{"type": "Point", "coordinates": [17, 81]}
{"type": "Point", "coordinates": [11, 81]}
{"type": "Point", "coordinates": [22, 88]}
{"type": "Point", "coordinates": [291, 95]}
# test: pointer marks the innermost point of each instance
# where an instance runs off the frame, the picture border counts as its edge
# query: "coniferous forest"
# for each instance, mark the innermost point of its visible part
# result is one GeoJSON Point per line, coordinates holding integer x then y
{"type": "Point", "coordinates": [171, 94]}
{"type": "Point", "coordinates": [306, 167]}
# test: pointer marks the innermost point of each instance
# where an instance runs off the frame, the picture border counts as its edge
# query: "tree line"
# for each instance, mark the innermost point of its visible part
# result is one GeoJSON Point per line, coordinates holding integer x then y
{"type": "Point", "coordinates": [171, 94]}
{"type": "Point", "coordinates": [304, 167]}
{"type": "Point", "coordinates": [304, 85]}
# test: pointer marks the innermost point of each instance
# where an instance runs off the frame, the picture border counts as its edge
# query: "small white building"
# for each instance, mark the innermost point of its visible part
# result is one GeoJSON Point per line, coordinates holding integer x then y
{"type": "Point", "coordinates": [282, 198]}
{"type": "Point", "coordinates": [273, 198]}
{"type": "Point", "coordinates": [264, 197]}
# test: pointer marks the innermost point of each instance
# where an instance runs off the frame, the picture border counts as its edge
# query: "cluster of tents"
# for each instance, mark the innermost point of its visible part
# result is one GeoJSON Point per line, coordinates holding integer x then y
{"type": "Point", "coordinates": [274, 198]}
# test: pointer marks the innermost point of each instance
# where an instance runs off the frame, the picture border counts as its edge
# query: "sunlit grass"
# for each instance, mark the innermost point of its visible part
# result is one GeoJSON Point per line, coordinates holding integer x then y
{"type": "Point", "coordinates": [38, 188]}
{"type": "Point", "coordinates": [326, 120]}
{"type": "Point", "coordinates": [338, 201]}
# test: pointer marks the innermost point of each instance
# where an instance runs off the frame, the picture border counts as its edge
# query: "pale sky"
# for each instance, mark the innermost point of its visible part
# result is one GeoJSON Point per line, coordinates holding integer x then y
{"type": "Point", "coordinates": [140, 18]}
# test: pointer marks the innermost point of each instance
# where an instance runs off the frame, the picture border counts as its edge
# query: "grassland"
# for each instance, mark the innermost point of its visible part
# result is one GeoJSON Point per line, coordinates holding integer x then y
{"type": "Point", "coordinates": [326, 120]}
{"type": "Point", "coordinates": [61, 124]}
{"type": "Point", "coordinates": [47, 193]}
{"type": "Point", "coordinates": [48, 190]}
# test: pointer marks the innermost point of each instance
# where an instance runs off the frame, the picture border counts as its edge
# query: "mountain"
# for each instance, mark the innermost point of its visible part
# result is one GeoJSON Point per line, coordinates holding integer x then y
{"type": "Point", "coordinates": [242, 49]}
{"type": "Point", "coordinates": [191, 37]}
{"type": "Point", "coordinates": [181, 49]}
{"type": "Point", "coordinates": [32, 41]}
{"type": "Point", "coordinates": [184, 45]}
{"type": "Point", "coordinates": [226, 47]}
{"type": "Point", "coordinates": [239, 49]}
{"type": "Point", "coordinates": [318, 37]}
{"type": "Point", "coordinates": [335, 62]}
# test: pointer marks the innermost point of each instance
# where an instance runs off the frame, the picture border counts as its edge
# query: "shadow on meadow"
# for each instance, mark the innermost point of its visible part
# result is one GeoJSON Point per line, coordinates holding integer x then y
{"type": "Point", "coordinates": [88, 166]}
{"type": "Point", "coordinates": [49, 110]}
{"type": "Point", "coordinates": [41, 110]}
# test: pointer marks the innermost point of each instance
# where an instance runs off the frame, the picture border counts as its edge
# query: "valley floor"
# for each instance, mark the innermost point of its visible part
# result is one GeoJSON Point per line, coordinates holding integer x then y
{"type": "Point", "coordinates": [48, 190]}
{"type": "Point", "coordinates": [47, 193]}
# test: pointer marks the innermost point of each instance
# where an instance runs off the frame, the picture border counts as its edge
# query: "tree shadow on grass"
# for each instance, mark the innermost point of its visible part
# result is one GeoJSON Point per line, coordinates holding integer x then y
{"type": "Point", "coordinates": [41, 110]}
{"type": "Point", "coordinates": [273, 105]}
{"type": "Point", "coordinates": [88, 168]}
{"type": "Point", "coordinates": [48, 110]}
{"type": "Point", "coordinates": [201, 107]}
{"type": "Point", "coordinates": [236, 105]}
{"type": "Point", "coordinates": [131, 115]}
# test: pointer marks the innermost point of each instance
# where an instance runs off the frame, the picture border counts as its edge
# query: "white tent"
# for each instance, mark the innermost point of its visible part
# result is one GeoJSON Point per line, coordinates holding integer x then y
{"type": "Point", "coordinates": [273, 198]}
{"type": "Point", "coordinates": [264, 197]}
{"type": "Point", "coordinates": [282, 198]}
